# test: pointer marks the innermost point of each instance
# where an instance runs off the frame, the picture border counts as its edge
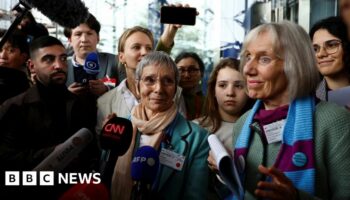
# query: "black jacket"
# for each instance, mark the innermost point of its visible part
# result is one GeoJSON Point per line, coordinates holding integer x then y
{"type": "Point", "coordinates": [33, 123]}
{"type": "Point", "coordinates": [12, 83]}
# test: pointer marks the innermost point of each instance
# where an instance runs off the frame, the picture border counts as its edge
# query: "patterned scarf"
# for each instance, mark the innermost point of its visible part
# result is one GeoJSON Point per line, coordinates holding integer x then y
{"type": "Point", "coordinates": [153, 127]}
{"type": "Point", "coordinates": [296, 156]}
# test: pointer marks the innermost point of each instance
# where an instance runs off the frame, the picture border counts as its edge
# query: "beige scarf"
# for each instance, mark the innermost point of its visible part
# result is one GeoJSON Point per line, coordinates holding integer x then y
{"type": "Point", "coordinates": [153, 127]}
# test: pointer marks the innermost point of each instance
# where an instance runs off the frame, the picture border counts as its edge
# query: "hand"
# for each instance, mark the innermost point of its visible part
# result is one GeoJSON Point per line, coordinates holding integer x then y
{"type": "Point", "coordinates": [280, 187]}
{"type": "Point", "coordinates": [77, 88]}
{"type": "Point", "coordinates": [97, 87]}
{"type": "Point", "coordinates": [212, 162]}
{"type": "Point", "coordinates": [109, 116]}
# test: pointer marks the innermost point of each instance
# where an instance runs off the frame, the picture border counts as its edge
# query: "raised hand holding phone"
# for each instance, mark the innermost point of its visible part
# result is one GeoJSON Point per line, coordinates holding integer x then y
{"type": "Point", "coordinates": [178, 15]}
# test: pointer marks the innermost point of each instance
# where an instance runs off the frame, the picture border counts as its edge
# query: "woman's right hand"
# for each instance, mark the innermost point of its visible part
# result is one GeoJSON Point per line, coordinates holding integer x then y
{"type": "Point", "coordinates": [280, 186]}
{"type": "Point", "coordinates": [212, 162]}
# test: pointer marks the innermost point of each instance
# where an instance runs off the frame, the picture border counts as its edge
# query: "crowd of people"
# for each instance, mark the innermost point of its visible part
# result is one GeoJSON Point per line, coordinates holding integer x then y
{"type": "Point", "coordinates": [280, 110]}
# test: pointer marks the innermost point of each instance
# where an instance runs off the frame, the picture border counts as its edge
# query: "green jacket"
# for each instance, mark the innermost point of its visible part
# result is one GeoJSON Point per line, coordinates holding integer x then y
{"type": "Point", "coordinates": [191, 182]}
{"type": "Point", "coordinates": [332, 154]}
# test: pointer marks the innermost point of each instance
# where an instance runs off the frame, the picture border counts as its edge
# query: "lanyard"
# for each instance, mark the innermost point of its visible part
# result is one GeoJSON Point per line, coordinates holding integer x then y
{"type": "Point", "coordinates": [166, 143]}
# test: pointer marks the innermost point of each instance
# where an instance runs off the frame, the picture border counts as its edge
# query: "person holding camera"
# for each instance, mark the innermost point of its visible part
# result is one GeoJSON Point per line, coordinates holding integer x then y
{"type": "Point", "coordinates": [84, 39]}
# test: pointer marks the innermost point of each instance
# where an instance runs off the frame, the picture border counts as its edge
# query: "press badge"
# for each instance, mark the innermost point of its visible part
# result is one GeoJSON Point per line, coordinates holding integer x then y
{"type": "Point", "coordinates": [273, 131]}
{"type": "Point", "coordinates": [171, 159]}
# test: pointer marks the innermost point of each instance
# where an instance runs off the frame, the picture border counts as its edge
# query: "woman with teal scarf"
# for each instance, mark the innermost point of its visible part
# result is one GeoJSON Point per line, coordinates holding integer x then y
{"type": "Point", "coordinates": [290, 145]}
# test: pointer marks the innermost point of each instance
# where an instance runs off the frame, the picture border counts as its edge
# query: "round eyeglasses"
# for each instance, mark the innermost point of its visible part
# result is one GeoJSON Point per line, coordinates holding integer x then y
{"type": "Point", "coordinates": [330, 46]}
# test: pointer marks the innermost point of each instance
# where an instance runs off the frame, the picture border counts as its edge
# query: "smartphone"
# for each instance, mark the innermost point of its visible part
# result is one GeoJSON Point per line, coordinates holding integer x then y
{"type": "Point", "coordinates": [178, 15]}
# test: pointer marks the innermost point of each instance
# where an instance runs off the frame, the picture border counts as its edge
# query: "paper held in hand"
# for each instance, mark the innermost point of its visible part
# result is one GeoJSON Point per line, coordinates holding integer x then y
{"type": "Point", "coordinates": [227, 168]}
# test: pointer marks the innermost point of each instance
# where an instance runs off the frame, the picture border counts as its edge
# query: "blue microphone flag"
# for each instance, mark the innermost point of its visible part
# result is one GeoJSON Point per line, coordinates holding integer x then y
{"type": "Point", "coordinates": [91, 65]}
{"type": "Point", "coordinates": [144, 166]}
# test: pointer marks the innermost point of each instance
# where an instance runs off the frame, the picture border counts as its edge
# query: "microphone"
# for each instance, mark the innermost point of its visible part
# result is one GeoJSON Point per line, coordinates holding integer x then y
{"type": "Point", "coordinates": [67, 13]}
{"type": "Point", "coordinates": [86, 192]}
{"type": "Point", "coordinates": [90, 69]}
{"type": "Point", "coordinates": [144, 168]}
{"type": "Point", "coordinates": [92, 65]}
{"type": "Point", "coordinates": [66, 152]}
{"type": "Point", "coordinates": [115, 139]}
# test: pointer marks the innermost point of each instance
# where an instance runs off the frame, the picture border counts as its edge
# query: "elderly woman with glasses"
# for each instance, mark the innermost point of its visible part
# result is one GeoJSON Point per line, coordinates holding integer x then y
{"type": "Point", "coordinates": [184, 172]}
{"type": "Point", "coordinates": [289, 145]}
{"type": "Point", "coordinates": [133, 45]}
{"type": "Point", "coordinates": [330, 42]}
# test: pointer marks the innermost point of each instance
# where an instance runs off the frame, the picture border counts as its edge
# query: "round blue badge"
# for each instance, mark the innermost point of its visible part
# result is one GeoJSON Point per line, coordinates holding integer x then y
{"type": "Point", "coordinates": [299, 159]}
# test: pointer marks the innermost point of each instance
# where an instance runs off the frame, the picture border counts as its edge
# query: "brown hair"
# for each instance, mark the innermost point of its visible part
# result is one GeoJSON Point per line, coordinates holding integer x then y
{"type": "Point", "coordinates": [211, 115]}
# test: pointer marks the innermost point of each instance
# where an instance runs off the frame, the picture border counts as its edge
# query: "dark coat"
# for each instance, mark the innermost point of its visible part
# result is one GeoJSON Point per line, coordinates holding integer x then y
{"type": "Point", "coordinates": [33, 123]}
{"type": "Point", "coordinates": [12, 83]}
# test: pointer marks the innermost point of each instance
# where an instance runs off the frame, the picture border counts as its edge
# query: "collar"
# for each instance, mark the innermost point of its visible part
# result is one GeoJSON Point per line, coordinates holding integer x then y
{"type": "Point", "coordinates": [268, 116]}
{"type": "Point", "coordinates": [75, 63]}
{"type": "Point", "coordinates": [122, 87]}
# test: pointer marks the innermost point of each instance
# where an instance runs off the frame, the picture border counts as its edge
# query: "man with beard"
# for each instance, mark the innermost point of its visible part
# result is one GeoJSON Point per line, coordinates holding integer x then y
{"type": "Point", "coordinates": [35, 122]}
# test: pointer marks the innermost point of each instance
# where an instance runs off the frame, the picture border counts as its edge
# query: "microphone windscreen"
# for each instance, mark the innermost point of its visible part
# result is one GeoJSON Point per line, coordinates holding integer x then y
{"type": "Point", "coordinates": [91, 65]}
{"type": "Point", "coordinates": [66, 152]}
{"type": "Point", "coordinates": [144, 166]}
{"type": "Point", "coordinates": [86, 191]}
{"type": "Point", "coordinates": [116, 135]}
{"type": "Point", "coordinates": [67, 13]}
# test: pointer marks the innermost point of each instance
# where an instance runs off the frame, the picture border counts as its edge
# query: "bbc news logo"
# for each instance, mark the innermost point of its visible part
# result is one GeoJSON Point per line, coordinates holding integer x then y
{"type": "Point", "coordinates": [47, 178]}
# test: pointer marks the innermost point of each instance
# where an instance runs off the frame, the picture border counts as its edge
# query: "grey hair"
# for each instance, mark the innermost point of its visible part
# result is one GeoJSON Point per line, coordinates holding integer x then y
{"type": "Point", "coordinates": [157, 58]}
{"type": "Point", "coordinates": [293, 45]}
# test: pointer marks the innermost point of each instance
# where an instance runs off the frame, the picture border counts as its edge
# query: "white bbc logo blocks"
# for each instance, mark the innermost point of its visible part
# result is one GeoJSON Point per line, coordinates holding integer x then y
{"type": "Point", "coordinates": [28, 178]}
{"type": "Point", "coordinates": [12, 178]}
{"type": "Point", "coordinates": [46, 178]}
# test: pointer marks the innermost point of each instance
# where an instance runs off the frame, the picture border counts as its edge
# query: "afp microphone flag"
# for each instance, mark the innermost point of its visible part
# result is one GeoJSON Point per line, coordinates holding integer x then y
{"type": "Point", "coordinates": [144, 166]}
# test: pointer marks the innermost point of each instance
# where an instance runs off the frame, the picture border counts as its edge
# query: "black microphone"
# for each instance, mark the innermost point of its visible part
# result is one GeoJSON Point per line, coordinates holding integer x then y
{"type": "Point", "coordinates": [144, 169]}
{"type": "Point", "coordinates": [67, 13]}
{"type": "Point", "coordinates": [86, 191]}
{"type": "Point", "coordinates": [66, 152]}
{"type": "Point", "coordinates": [115, 139]}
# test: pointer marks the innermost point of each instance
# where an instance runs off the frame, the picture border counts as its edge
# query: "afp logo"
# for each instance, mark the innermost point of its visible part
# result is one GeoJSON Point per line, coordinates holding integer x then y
{"type": "Point", "coordinates": [141, 159]}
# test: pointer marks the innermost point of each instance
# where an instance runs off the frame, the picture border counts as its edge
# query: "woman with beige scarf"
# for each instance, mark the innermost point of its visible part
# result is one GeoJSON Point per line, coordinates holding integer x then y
{"type": "Point", "coordinates": [157, 124]}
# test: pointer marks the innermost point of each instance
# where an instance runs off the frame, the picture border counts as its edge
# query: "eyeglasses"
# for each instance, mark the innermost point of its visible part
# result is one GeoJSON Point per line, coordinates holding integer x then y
{"type": "Point", "coordinates": [190, 70]}
{"type": "Point", "coordinates": [152, 80]}
{"type": "Point", "coordinates": [330, 46]}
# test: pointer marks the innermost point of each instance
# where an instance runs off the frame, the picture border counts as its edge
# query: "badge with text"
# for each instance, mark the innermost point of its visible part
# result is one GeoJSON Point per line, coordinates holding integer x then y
{"type": "Point", "coordinates": [171, 159]}
{"type": "Point", "coordinates": [273, 131]}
